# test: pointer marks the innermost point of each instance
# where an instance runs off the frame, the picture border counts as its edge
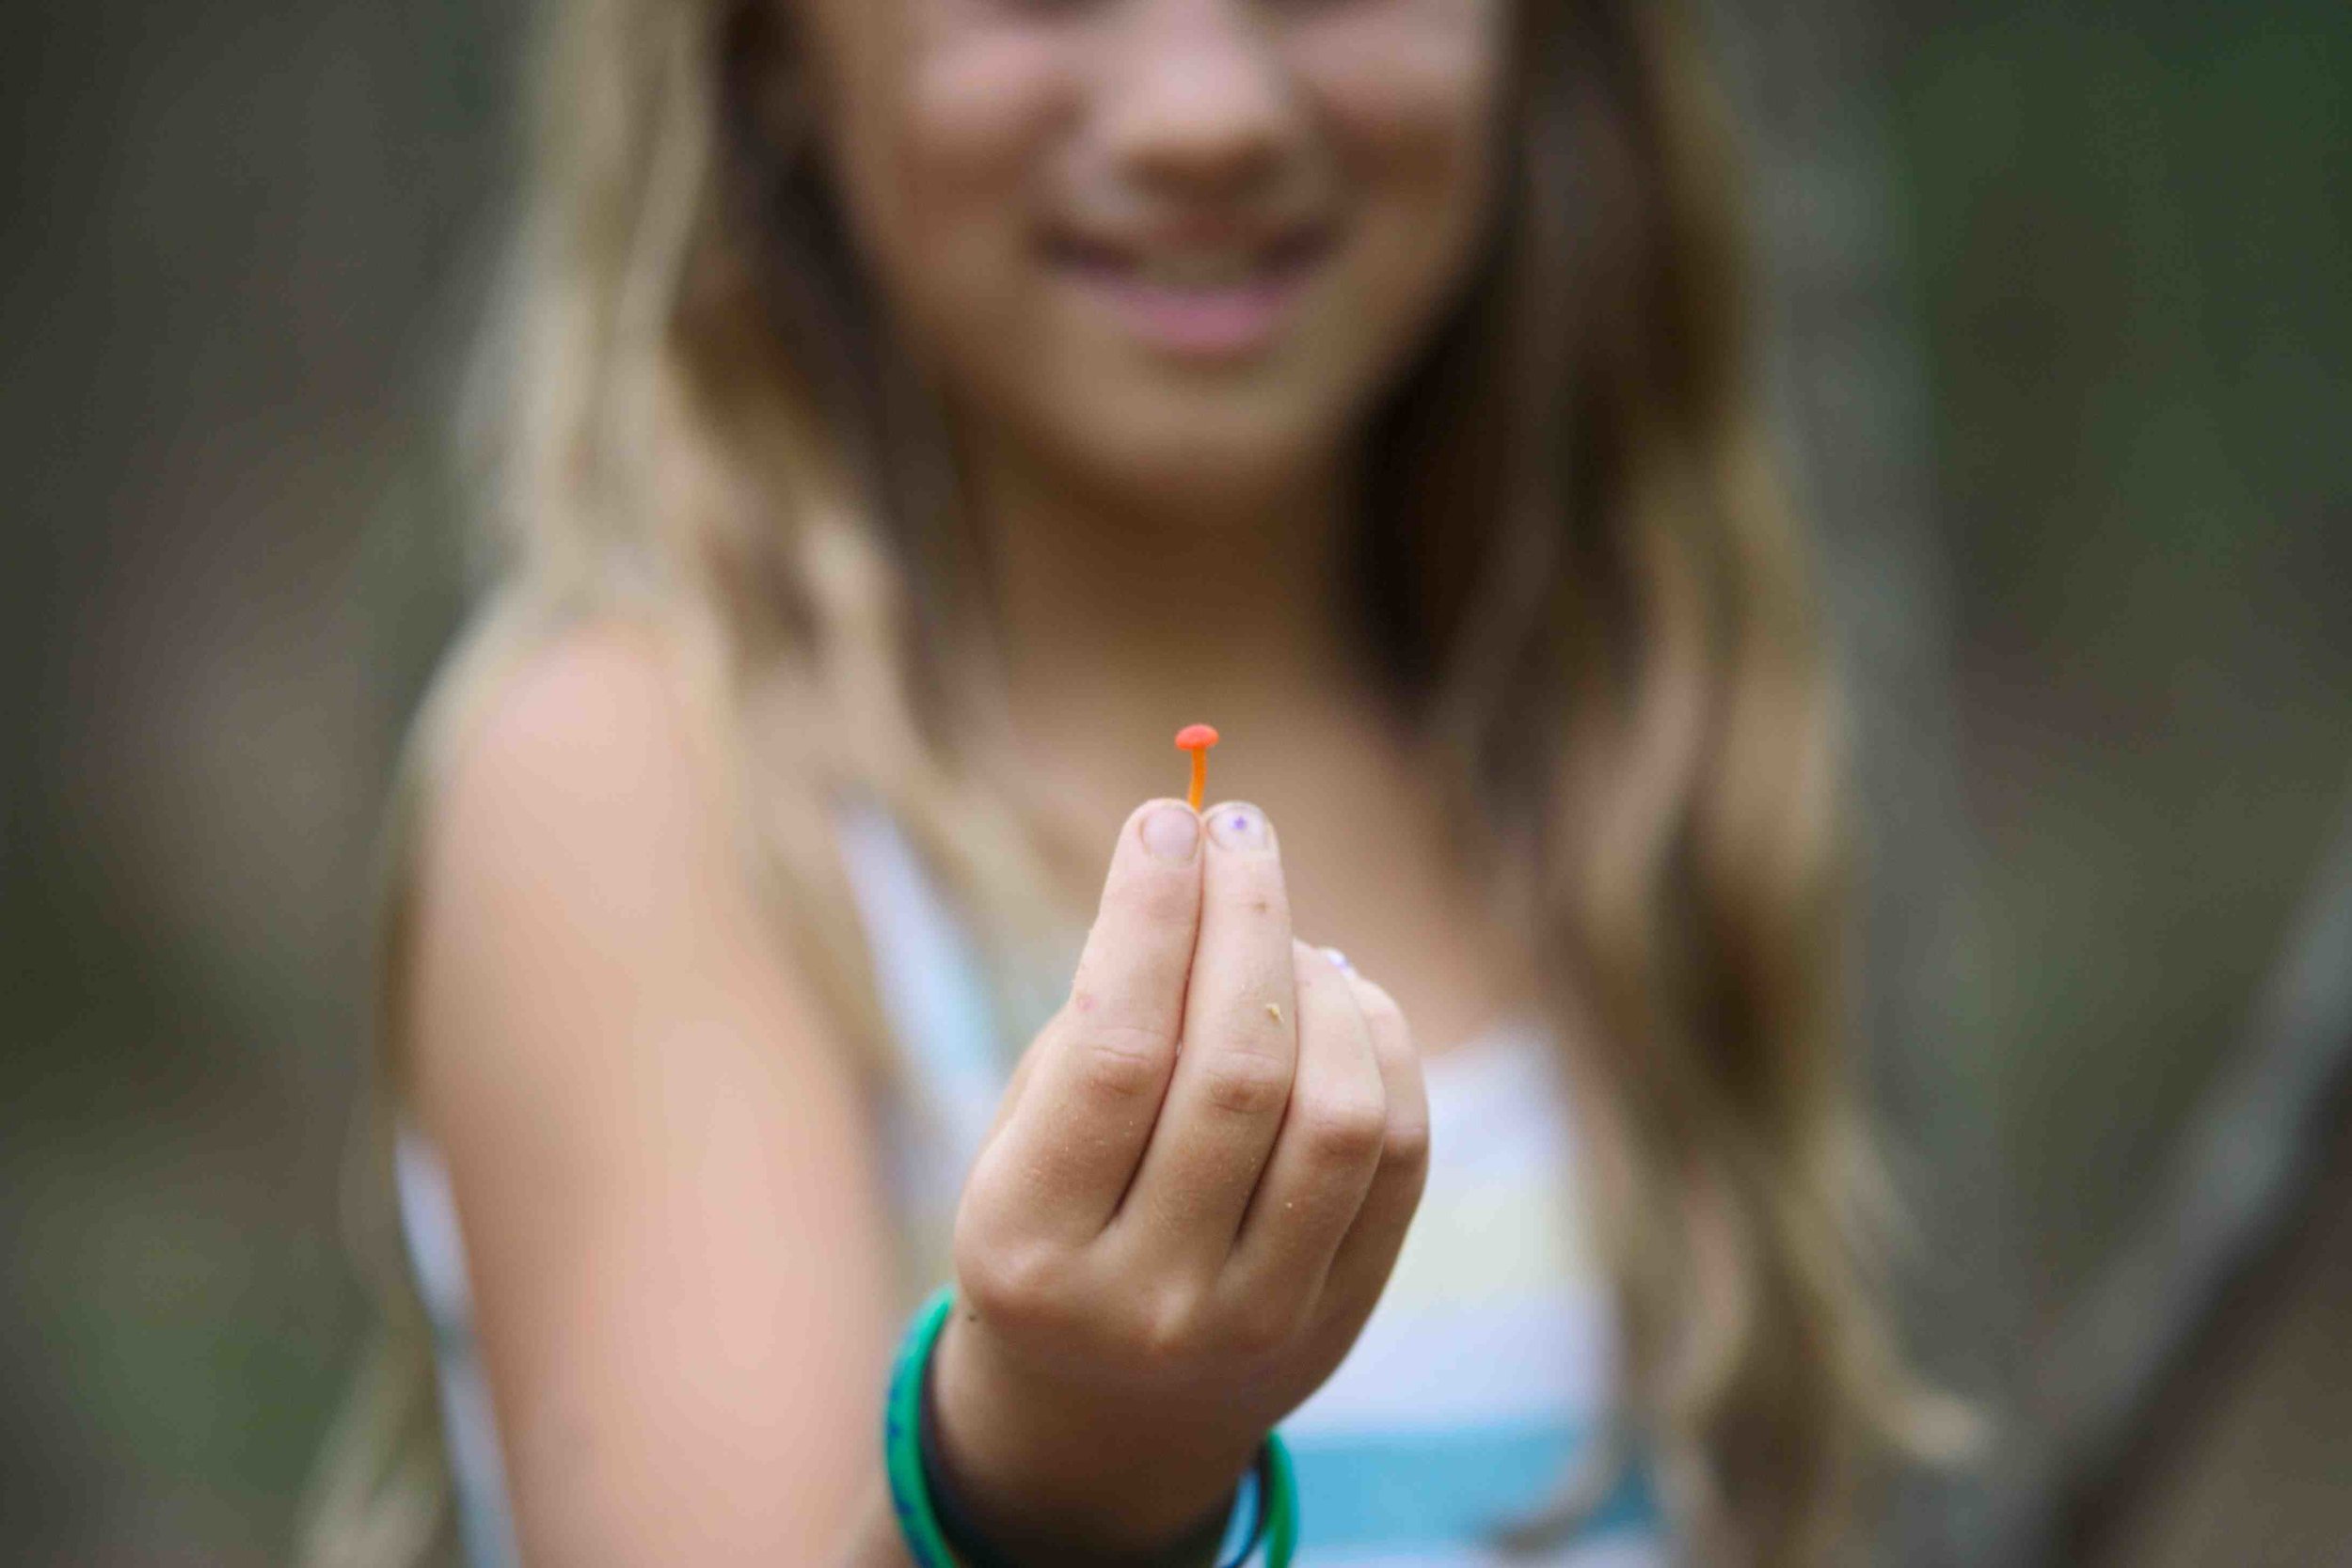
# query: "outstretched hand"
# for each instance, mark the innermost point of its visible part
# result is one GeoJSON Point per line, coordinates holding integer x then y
{"type": "Point", "coordinates": [1193, 1196]}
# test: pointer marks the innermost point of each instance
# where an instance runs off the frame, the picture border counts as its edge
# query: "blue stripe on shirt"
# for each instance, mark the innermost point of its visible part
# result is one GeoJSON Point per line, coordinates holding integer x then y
{"type": "Point", "coordinates": [1410, 1490]}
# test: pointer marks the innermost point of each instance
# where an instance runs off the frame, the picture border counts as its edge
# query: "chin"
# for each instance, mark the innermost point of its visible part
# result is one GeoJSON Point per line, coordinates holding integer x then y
{"type": "Point", "coordinates": [1198, 476]}
{"type": "Point", "coordinates": [1197, 450]}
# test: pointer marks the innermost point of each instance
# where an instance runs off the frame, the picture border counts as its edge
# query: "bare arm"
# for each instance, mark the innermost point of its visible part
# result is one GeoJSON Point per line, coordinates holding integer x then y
{"type": "Point", "coordinates": [671, 1207]}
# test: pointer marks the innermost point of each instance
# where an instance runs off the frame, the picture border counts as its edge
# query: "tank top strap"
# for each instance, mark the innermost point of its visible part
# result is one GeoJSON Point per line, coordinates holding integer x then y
{"type": "Point", "coordinates": [933, 989]}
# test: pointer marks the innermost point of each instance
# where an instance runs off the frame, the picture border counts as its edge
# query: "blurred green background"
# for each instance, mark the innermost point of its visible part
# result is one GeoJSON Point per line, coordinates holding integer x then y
{"type": "Point", "coordinates": [2060, 340]}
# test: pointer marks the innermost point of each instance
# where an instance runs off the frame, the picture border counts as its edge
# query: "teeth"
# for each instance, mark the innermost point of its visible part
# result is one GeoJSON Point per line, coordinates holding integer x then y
{"type": "Point", "coordinates": [1201, 269]}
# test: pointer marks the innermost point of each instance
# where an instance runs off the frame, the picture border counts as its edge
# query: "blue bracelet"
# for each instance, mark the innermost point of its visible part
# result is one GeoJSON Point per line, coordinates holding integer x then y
{"type": "Point", "coordinates": [1274, 1508]}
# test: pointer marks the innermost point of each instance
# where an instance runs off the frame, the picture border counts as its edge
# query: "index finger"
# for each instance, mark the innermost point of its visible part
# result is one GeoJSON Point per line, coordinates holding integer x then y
{"type": "Point", "coordinates": [1232, 1083]}
{"type": "Point", "coordinates": [1100, 1069]}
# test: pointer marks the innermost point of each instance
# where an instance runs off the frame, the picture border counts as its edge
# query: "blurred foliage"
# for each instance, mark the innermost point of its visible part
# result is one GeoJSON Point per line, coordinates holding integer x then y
{"type": "Point", "coordinates": [2130, 229]}
{"type": "Point", "coordinates": [237, 268]}
{"type": "Point", "coordinates": [233, 265]}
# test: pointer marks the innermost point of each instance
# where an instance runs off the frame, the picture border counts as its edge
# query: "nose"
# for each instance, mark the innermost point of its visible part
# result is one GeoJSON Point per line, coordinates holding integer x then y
{"type": "Point", "coordinates": [1201, 103]}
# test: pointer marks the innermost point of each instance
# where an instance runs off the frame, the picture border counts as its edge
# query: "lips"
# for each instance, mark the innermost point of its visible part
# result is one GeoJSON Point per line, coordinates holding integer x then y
{"type": "Point", "coordinates": [1198, 295]}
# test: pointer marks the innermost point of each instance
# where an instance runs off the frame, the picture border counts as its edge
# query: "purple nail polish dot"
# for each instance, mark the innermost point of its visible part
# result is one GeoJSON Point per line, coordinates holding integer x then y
{"type": "Point", "coordinates": [1240, 823]}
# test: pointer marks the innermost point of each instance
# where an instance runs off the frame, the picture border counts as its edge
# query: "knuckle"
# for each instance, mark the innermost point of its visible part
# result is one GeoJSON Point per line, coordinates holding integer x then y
{"type": "Point", "coordinates": [1169, 1327]}
{"type": "Point", "coordinates": [1343, 1132]}
{"type": "Point", "coordinates": [1121, 1064]}
{"type": "Point", "coordinates": [1404, 1141]}
{"type": "Point", "coordinates": [1246, 1082]}
{"type": "Point", "coordinates": [1008, 1283]}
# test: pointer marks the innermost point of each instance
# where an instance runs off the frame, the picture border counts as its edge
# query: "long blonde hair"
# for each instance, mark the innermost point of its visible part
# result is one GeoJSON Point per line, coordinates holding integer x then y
{"type": "Point", "coordinates": [1581, 574]}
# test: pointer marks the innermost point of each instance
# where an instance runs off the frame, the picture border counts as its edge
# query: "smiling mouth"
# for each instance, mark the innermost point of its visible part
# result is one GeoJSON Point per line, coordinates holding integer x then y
{"type": "Point", "coordinates": [1223, 301]}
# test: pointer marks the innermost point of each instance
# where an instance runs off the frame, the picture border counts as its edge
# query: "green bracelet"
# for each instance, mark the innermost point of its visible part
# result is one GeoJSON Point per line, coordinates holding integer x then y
{"type": "Point", "coordinates": [1276, 1523]}
{"type": "Point", "coordinates": [1278, 1504]}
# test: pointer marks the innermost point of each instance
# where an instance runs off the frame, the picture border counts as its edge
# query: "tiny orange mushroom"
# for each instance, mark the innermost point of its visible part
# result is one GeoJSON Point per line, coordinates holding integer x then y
{"type": "Point", "coordinates": [1197, 738]}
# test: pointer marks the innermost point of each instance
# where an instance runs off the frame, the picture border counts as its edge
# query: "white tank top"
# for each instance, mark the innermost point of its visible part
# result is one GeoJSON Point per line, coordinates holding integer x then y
{"type": "Point", "coordinates": [1478, 1382]}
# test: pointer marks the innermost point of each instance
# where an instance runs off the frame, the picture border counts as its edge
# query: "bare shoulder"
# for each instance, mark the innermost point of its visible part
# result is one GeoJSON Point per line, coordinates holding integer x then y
{"type": "Point", "coordinates": [577, 864]}
{"type": "Point", "coordinates": [593, 741]}
{"type": "Point", "coordinates": [586, 778]}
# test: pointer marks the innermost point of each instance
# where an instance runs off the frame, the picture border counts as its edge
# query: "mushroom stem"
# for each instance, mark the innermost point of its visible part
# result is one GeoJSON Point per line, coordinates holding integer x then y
{"type": "Point", "coordinates": [1197, 738]}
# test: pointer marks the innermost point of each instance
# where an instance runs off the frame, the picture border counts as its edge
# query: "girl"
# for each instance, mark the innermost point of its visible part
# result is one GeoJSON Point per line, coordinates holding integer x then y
{"type": "Point", "coordinates": [921, 409]}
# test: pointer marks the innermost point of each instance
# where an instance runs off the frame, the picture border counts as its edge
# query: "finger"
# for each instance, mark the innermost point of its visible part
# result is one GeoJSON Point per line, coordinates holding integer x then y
{"type": "Point", "coordinates": [1233, 1075]}
{"type": "Point", "coordinates": [1069, 1147]}
{"type": "Point", "coordinates": [1015, 1088]}
{"type": "Point", "coordinates": [1361, 1268]}
{"type": "Point", "coordinates": [1327, 1152]}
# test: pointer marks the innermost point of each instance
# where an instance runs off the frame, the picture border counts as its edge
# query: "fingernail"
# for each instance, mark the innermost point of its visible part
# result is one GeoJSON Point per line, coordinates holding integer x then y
{"type": "Point", "coordinates": [1240, 828]}
{"type": "Point", "coordinates": [1339, 959]}
{"type": "Point", "coordinates": [1173, 833]}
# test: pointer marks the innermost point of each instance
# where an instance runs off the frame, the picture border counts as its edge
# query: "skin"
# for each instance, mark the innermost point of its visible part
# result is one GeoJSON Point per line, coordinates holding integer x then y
{"type": "Point", "coordinates": [973, 141]}
{"type": "Point", "coordinates": [1200, 1174]}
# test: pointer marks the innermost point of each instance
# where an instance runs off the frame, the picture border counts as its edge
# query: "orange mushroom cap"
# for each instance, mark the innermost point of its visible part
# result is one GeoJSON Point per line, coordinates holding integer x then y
{"type": "Point", "coordinates": [1197, 739]}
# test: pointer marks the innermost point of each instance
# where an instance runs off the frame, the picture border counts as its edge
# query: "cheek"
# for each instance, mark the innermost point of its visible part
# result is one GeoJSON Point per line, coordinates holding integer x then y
{"type": "Point", "coordinates": [1407, 93]}
{"type": "Point", "coordinates": [978, 113]}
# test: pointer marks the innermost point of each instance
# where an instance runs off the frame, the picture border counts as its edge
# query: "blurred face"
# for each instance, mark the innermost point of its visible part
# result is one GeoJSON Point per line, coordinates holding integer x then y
{"type": "Point", "coordinates": [1171, 243]}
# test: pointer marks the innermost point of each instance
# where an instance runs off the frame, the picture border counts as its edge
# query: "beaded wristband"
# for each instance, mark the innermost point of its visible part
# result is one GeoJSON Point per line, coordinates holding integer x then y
{"type": "Point", "coordinates": [1276, 1521]}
